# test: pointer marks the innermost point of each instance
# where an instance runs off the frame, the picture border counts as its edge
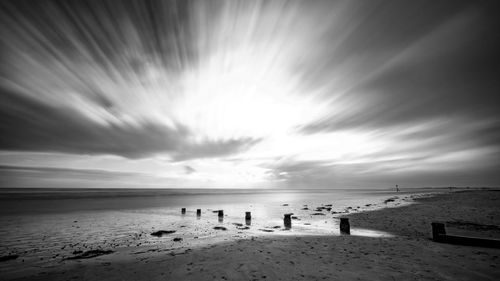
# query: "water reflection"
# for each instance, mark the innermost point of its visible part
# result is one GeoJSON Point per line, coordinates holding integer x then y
{"type": "Point", "coordinates": [371, 233]}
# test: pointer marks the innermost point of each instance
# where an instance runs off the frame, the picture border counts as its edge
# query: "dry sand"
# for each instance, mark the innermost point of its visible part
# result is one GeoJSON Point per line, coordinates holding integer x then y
{"type": "Point", "coordinates": [409, 255]}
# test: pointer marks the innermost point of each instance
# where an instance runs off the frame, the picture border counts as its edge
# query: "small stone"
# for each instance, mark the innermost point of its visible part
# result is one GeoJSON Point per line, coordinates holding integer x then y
{"type": "Point", "coordinates": [160, 233]}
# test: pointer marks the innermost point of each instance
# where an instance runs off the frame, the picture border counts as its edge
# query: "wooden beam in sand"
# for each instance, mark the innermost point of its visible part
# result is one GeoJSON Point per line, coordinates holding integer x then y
{"type": "Point", "coordinates": [439, 235]}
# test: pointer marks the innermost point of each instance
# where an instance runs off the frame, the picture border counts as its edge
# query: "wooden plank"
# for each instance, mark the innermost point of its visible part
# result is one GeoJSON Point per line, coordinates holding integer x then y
{"type": "Point", "coordinates": [439, 235]}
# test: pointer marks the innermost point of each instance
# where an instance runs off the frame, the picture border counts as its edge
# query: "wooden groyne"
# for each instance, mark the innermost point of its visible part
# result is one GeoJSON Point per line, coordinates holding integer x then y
{"type": "Point", "coordinates": [439, 235]}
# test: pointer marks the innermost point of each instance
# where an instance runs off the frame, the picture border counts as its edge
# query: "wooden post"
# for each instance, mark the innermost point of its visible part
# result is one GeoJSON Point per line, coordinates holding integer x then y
{"type": "Point", "coordinates": [221, 216]}
{"type": "Point", "coordinates": [437, 231]}
{"type": "Point", "coordinates": [248, 218]}
{"type": "Point", "coordinates": [183, 211]}
{"type": "Point", "coordinates": [198, 212]}
{"type": "Point", "coordinates": [288, 221]}
{"type": "Point", "coordinates": [345, 228]}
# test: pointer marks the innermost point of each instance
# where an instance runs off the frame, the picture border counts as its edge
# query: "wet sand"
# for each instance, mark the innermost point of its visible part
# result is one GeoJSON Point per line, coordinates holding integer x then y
{"type": "Point", "coordinates": [408, 255]}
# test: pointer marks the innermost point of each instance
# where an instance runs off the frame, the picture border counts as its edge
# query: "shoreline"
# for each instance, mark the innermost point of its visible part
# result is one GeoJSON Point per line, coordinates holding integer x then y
{"type": "Point", "coordinates": [407, 255]}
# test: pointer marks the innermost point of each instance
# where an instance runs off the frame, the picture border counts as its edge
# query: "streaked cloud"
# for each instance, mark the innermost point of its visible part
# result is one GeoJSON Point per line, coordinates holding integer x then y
{"type": "Point", "coordinates": [32, 126]}
{"type": "Point", "coordinates": [254, 93]}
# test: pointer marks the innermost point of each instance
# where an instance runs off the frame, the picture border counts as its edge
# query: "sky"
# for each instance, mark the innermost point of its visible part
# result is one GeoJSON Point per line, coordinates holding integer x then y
{"type": "Point", "coordinates": [249, 94]}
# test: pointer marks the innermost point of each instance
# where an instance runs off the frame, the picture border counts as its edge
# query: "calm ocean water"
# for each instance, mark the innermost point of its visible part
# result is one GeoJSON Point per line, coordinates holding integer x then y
{"type": "Point", "coordinates": [45, 226]}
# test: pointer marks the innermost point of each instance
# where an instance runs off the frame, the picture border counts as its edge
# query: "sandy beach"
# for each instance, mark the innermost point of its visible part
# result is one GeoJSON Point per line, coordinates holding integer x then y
{"type": "Point", "coordinates": [409, 254]}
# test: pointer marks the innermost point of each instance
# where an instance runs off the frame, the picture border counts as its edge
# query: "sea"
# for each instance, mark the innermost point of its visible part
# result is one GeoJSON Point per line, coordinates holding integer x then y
{"type": "Point", "coordinates": [45, 227]}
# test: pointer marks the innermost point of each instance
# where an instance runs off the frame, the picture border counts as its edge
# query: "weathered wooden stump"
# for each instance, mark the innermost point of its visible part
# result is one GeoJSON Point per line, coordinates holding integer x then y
{"type": "Point", "coordinates": [198, 212]}
{"type": "Point", "coordinates": [438, 230]}
{"type": "Point", "coordinates": [345, 228]}
{"type": "Point", "coordinates": [221, 213]}
{"type": "Point", "coordinates": [248, 218]}
{"type": "Point", "coordinates": [183, 211]}
{"type": "Point", "coordinates": [288, 221]}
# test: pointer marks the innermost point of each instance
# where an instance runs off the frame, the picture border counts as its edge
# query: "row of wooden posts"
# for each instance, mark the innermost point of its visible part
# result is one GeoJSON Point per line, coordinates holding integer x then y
{"type": "Point", "coordinates": [438, 231]}
{"type": "Point", "coordinates": [345, 227]}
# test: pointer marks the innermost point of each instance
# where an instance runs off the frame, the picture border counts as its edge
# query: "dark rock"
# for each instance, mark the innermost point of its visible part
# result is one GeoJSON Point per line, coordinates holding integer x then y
{"type": "Point", "coordinates": [237, 224]}
{"type": "Point", "coordinates": [317, 214]}
{"type": "Point", "coordinates": [267, 230]}
{"type": "Point", "coordinates": [243, 227]}
{"type": "Point", "coordinates": [91, 254]}
{"type": "Point", "coordinates": [8, 257]}
{"type": "Point", "coordinates": [220, 228]}
{"type": "Point", "coordinates": [295, 218]}
{"type": "Point", "coordinates": [305, 208]}
{"type": "Point", "coordinates": [284, 205]}
{"type": "Point", "coordinates": [277, 226]}
{"type": "Point", "coordinates": [177, 239]}
{"type": "Point", "coordinates": [392, 199]}
{"type": "Point", "coordinates": [77, 252]}
{"type": "Point", "coordinates": [160, 233]}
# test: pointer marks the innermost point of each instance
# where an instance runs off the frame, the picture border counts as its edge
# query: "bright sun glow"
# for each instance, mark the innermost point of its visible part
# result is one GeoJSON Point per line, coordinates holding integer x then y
{"type": "Point", "coordinates": [239, 95]}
